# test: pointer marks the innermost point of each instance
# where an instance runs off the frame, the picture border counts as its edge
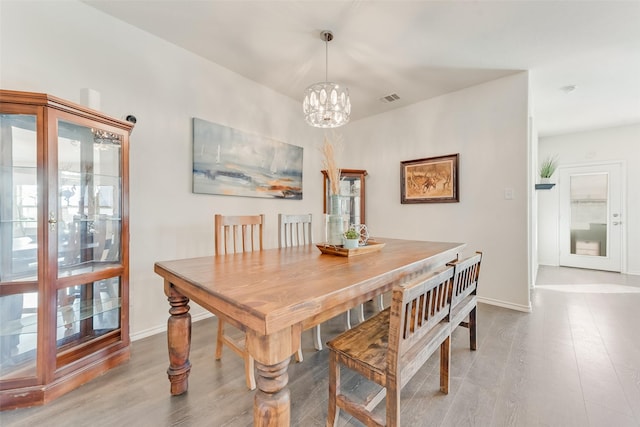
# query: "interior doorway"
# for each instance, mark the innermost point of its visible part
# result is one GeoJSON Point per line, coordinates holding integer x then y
{"type": "Point", "coordinates": [591, 223]}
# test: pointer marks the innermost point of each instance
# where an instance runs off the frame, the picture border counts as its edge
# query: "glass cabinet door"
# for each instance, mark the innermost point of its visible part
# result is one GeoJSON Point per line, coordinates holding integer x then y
{"type": "Point", "coordinates": [351, 198]}
{"type": "Point", "coordinates": [88, 225]}
{"type": "Point", "coordinates": [19, 245]}
{"type": "Point", "coordinates": [89, 199]}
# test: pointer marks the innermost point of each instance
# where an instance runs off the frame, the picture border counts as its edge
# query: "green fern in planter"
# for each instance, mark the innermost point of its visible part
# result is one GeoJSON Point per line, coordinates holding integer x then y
{"type": "Point", "coordinates": [548, 167]}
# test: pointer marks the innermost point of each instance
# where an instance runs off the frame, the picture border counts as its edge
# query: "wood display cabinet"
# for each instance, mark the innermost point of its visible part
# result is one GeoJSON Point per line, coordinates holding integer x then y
{"type": "Point", "coordinates": [64, 246]}
{"type": "Point", "coordinates": [352, 195]}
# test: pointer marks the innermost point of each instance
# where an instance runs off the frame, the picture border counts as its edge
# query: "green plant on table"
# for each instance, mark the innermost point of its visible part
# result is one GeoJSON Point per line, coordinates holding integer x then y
{"type": "Point", "coordinates": [351, 234]}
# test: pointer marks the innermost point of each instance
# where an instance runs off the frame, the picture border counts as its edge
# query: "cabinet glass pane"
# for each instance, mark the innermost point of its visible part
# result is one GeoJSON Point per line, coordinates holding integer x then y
{"type": "Point", "coordinates": [87, 311]}
{"type": "Point", "coordinates": [90, 194]}
{"type": "Point", "coordinates": [349, 200]}
{"type": "Point", "coordinates": [18, 335]}
{"type": "Point", "coordinates": [350, 195]}
{"type": "Point", "coordinates": [18, 198]}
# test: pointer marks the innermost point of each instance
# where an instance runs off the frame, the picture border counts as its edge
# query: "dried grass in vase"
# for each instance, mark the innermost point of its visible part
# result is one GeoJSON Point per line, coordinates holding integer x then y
{"type": "Point", "coordinates": [329, 162]}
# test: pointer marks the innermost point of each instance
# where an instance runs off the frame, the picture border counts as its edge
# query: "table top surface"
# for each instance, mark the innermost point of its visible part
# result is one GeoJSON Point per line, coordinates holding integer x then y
{"type": "Point", "coordinates": [275, 288]}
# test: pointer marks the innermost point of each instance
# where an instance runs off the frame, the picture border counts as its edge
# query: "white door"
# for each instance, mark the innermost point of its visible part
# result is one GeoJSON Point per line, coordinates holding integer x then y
{"type": "Point", "coordinates": [591, 216]}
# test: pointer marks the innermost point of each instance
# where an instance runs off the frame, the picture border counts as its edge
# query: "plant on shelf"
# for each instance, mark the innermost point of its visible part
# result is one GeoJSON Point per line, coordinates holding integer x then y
{"type": "Point", "coordinates": [547, 168]}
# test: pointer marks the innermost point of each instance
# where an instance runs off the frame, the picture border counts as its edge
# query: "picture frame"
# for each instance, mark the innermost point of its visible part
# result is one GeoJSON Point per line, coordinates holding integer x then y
{"type": "Point", "coordinates": [430, 180]}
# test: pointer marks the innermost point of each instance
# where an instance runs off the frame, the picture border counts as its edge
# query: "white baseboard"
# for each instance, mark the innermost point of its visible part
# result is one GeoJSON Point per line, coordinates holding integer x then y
{"type": "Point", "coordinates": [512, 306]}
{"type": "Point", "coordinates": [163, 328]}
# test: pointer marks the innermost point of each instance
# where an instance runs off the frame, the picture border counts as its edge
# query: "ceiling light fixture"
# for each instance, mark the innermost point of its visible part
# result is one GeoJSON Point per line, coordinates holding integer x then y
{"type": "Point", "coordinates": [326, 104]}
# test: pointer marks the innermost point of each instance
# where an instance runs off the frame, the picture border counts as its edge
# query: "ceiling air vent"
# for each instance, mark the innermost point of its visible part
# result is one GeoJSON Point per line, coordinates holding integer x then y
{"type": "Point", "coordinates": [390, 98]}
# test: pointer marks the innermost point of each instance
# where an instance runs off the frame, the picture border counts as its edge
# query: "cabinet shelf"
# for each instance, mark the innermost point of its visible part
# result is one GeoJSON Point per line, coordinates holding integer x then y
{"type": "Point", "coordinates": [28, 324]}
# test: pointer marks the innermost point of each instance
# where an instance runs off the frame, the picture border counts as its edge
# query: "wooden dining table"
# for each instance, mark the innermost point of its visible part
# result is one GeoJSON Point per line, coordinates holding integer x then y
{"type": "Point", "coordinates": [275, 294]}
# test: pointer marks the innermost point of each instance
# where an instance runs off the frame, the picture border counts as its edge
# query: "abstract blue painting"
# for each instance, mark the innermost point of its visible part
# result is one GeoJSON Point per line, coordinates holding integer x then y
{"type": "Point", "coordinates": [231, 162]}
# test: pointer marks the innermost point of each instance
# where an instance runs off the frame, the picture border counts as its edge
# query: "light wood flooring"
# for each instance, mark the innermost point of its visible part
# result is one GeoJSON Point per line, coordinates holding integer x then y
{"type": "Point", "coordinates": [573, 361]}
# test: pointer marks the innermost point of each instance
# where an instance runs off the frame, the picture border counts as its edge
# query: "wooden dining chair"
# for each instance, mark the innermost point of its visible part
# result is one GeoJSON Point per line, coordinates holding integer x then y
{"type": "Point", "coordinates": [297, 230]}
{"type": "Point", "coordinates": [233, 234]}
{"type": "Point", "coordinates": [390, 347]}
{"type": "Point", "coordinates": [463, 295]}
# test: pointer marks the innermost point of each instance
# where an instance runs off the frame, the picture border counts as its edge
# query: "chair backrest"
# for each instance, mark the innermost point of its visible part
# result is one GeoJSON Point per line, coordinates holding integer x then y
{"type": "Point", "coordinates": [238, 233]}
{"type": "Point", "coordinates": [465, 278]}
{"type": "Point", "coordinates": [294, 230]}
{"type": "Point", "coordinates": [417, 307]}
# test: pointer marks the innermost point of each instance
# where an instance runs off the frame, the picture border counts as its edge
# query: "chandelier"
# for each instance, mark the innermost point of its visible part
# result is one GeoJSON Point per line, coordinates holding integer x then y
{"type": "Point", "coordinates": [326, 104]}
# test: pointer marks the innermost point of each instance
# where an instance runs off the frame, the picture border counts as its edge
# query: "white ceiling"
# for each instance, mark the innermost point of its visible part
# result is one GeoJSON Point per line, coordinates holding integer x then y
{"type": "Point", "coordinates": [419, 49]}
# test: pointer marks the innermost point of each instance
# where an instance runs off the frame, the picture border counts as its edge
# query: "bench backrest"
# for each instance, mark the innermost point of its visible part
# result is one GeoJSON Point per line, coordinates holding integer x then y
{"type": "Point", "coordinates": [417, 307]}
{"type": "Point", "coordinates": [465, 279]}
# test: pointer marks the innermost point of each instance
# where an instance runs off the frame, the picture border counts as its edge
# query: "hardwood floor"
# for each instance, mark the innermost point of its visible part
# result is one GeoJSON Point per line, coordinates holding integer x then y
{"type": "Point", "coordinates": [573, 361]}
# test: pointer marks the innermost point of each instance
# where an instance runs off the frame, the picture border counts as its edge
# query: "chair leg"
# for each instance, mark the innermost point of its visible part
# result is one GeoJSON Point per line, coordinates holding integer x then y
{"type": "Point", "coordinates": [219, 341]}
{"type": "Point", "coordinates": [334, 388]}
{"type": "Point", "coordinates": [472, 329]}
{"type": "Point", "coordinates": [249, 371]}
{"type": "Point", "coordinates": [347, 320]}
{"type": "Point", "coordinates": [361, 313]}
{"type": "Point", "coordinates": [317, 338]}
{"type": "Point", "coordinates": [380, 302]}
{"type": "Point", "coordinates": [445, 364]}
{"type": "Point", "coordinates": [299, 357]}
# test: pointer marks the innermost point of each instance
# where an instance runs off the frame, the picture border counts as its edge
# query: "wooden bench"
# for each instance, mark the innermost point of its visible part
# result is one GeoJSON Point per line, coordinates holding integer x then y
{"type": "Point", "coordinates": [391, 346]}
{"type": "Point", "coordinates": [463, 295]}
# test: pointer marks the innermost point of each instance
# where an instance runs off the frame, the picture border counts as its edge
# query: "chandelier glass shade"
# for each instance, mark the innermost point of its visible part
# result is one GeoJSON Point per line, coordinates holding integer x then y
{"type": "Point", "coordinates": [326, 104]}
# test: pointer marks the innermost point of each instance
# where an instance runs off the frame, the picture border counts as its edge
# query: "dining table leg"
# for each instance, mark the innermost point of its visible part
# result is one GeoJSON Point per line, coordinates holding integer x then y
{"type": "Point", "coordinates": [178, 340]}
{"type": "Point", "coordinates": [272, 353]}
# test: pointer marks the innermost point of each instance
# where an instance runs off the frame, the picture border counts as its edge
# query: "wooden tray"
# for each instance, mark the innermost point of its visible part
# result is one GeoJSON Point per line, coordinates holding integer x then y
{"type": "Point", "coordinates": [340, 251]}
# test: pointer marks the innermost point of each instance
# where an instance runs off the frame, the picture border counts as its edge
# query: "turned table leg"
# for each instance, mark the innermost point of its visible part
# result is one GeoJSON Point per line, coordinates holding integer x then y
{"type": "Point", "coordinates": [272, 399]}
{"type": "Point", "coordinates": [178, 340]}
{"type": "Point", "coordinates": [272, 353]}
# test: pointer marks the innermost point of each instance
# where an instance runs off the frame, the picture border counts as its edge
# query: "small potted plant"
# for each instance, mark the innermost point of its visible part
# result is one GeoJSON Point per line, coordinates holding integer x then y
{"type": "Point", "coordinates": [351, 238]}
{"type": "Point", "coordinates": [547, 168]}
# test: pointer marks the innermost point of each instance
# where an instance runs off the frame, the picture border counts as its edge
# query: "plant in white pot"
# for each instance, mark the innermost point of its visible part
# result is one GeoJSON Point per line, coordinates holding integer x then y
{"type": "Point", "coordinates": [547, 168]}
{"type": "Point", "coordinates": [351, 238]}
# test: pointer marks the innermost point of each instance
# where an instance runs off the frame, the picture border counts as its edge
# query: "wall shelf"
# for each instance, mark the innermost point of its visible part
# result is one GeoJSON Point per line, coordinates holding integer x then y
{"type": "Point", "coordinates": [544, 186]}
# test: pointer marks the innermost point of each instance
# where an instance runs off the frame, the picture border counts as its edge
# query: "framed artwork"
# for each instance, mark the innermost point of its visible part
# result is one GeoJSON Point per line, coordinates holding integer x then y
{"type": "Point", "coordinates": [231, 162]}
{"type": "Point", "coordinates": [430, 180]}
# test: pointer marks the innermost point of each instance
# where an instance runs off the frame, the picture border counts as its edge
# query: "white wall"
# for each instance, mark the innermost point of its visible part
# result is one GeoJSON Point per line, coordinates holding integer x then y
{"type": "Point", "coordinates": [60, 47]}
{"type": "Point", "coordinates": [612, 144]}
{"type": "Point", "coordinates": [487, 125]}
